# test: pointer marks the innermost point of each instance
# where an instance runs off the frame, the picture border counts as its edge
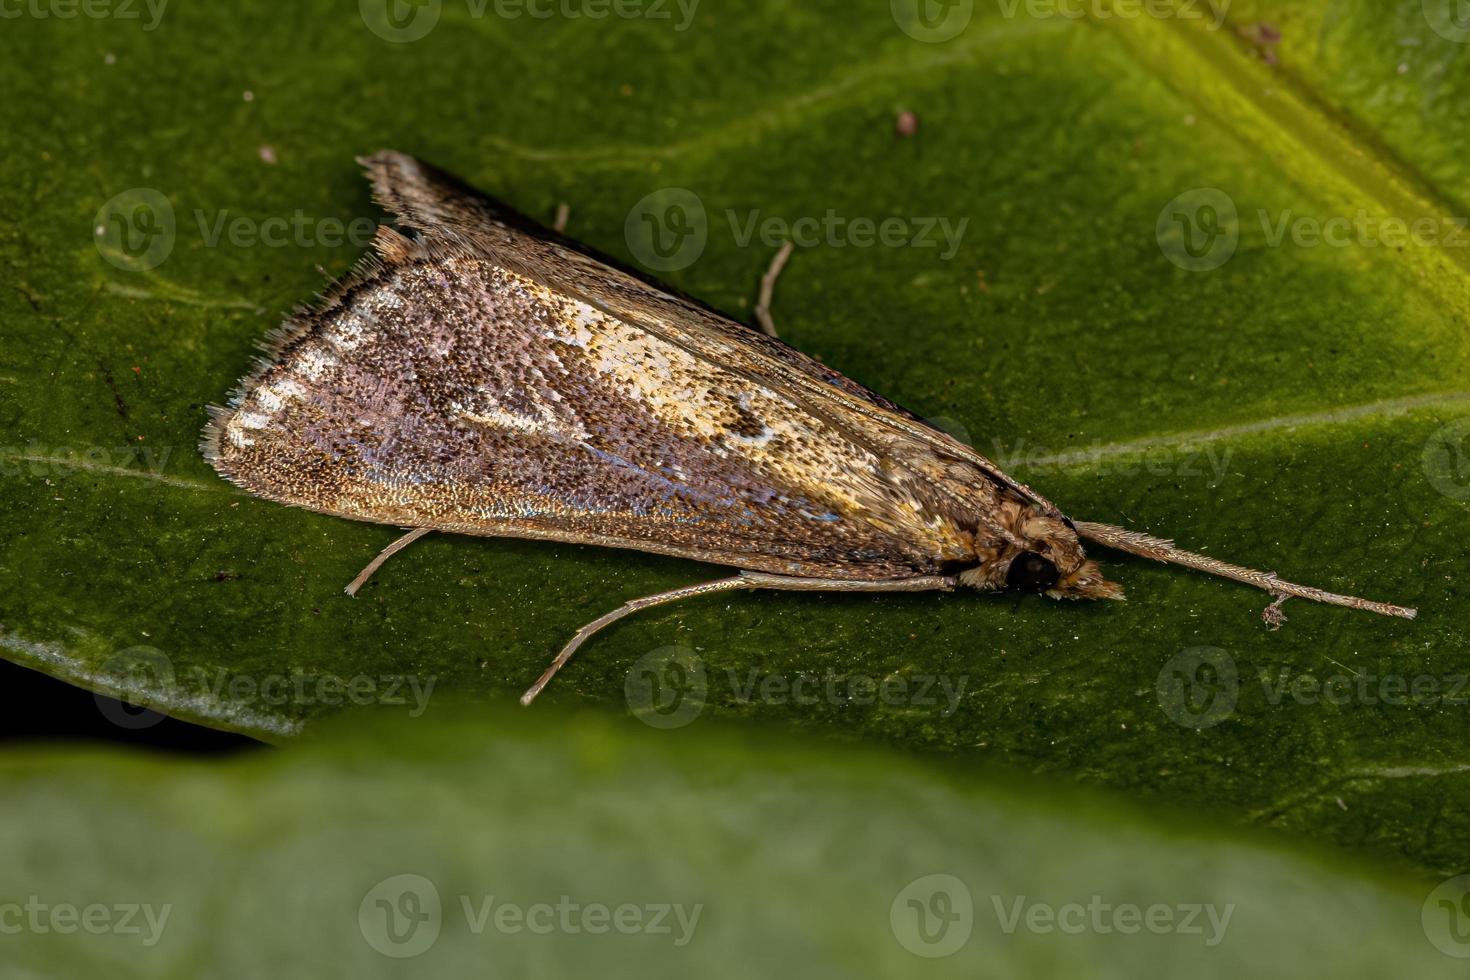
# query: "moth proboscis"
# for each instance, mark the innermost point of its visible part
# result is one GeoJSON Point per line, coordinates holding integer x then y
{"type": "Point", "coordinates": [482, 376]}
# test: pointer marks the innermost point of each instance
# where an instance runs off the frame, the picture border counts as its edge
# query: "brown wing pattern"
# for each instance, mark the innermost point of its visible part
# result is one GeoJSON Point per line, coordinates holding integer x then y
{"type": "Point", "coordinates": [486, 381]}
{"type": "Point", "coordinates": [436, 203]}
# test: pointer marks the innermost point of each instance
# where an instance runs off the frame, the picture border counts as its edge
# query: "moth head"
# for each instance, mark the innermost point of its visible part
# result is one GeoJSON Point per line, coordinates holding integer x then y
{"type": "Point", "coordinates": [1041, 555]}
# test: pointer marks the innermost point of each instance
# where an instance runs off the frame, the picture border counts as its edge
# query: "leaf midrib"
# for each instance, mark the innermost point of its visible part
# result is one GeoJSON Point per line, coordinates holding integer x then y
{"type": "Point", "coordinates": [1331, 157]}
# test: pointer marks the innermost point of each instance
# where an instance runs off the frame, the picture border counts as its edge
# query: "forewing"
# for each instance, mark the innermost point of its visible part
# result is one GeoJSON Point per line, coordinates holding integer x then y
{"type": "Point", "coordinates": [437, 388]}
{"type": "Point", "coordinates": [953, 477]}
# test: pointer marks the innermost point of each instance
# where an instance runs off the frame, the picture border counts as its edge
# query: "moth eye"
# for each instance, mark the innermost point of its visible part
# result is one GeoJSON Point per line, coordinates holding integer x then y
{"type": "Point", "coordinates": [1030, 572]}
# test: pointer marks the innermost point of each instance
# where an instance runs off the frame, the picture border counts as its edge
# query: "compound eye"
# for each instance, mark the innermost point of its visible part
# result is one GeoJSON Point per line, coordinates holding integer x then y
{"type": "Point", "coordinates": [1030, 572]}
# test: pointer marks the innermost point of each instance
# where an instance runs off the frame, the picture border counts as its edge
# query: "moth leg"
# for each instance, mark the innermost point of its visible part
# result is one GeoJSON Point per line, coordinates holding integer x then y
{"type": "Point", "coordinates": [1272, 615]}
{"type": "Point", "coordinates": [791, 583]}
{"type": "Point", "coordinates": [768, 288]}
{"type": "Point", "coordinates": [383, 556]}
{"type": "Point", "coordinates": [627, 608]}
{"type": "Point", "coordinates": [745, 580]}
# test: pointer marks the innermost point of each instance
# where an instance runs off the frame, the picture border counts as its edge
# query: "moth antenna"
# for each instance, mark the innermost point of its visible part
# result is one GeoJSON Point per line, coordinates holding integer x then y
{"type": "Point", "coordinates": [1161, 549]}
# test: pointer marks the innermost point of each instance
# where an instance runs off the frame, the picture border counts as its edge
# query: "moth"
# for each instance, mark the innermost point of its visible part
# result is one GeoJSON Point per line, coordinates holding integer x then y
{"type": "Point", "coordinates": [479, 375]}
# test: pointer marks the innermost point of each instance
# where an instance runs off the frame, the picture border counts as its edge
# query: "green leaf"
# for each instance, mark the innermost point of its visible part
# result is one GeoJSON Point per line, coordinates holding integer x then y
{"type": "Point", "coordinates": [1298, 407]}
{"type": "Point", "coordinates": [412, 849]}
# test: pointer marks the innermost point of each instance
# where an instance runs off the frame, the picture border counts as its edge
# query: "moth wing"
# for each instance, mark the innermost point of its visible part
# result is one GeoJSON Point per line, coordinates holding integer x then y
{"type": "Point", "coordinates": [436, 388]}
{"type": "Point", "coordinates": [438, 204]}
